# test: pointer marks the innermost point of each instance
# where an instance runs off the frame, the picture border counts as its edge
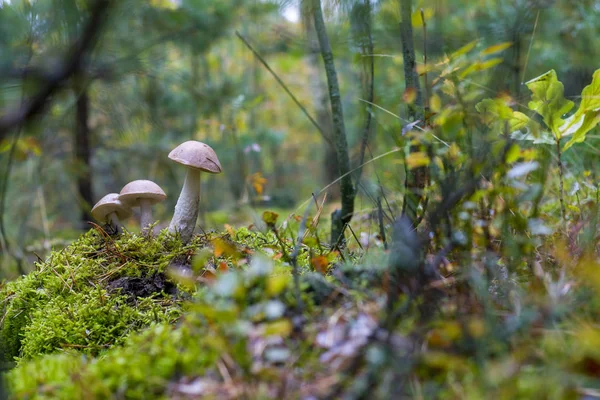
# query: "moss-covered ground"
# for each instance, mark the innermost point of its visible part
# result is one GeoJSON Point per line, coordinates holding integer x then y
{"type": "Point", "coordinates": [223, 317]}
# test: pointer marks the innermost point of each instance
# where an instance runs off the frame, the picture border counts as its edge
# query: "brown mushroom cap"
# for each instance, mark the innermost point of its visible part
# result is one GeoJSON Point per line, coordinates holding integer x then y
{"type": "Point", "coordinates": [109, 204]}
{"type": "Point", "coordinates": [141, 189]}
{"type": "Point", "coordinates": [197, 155]}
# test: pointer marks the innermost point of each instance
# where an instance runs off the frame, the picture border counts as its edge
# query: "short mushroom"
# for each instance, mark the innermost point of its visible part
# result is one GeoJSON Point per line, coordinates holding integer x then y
{"type": "Point", "coordinates": [111, 211]}
{"type": "Point", "coordinates": [197, 157]}
{"type": "Point", "coordinates": [143, 194]}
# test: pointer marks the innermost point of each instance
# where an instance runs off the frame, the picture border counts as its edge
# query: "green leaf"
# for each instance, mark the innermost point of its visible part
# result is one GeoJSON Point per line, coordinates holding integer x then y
{"type": "Point", "coordinates": [544, 138]}
{"type": "Point", "coordinates": [590, 120]}
{"type": "Point", "coordinates": [588, 114]}
{"type": "Point", "coordinates": [481, 66]}
{"type": "Point", "coordinates": [548, 100]}
{"type": "Point", "coordinates": [493, 110]}
{"type": "Point", "coordinates": [499, 116]}
{"type": "Point", "coordinates": [496, 48]}
{"type": "Point", "coordinates": [270, 218]}
{"type": "Point", "coordinates": [464, 50]}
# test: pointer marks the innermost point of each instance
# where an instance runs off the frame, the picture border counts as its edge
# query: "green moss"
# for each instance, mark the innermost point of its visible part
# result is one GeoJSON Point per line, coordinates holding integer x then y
{"type": "Point", "coordinates": [79, 338]}
{"type": "Point", "coordinates": [141, 368]}
{"type": "Point", "coordinates": [221, 320]}
{"type": "Point", "coordinates": [73, 300]}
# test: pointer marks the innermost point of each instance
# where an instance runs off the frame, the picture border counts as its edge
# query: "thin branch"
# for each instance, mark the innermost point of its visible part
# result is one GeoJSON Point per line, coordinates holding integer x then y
{"type": "Point", "coordinates": [426, 84]}
{"type": "Point", "coordinates": [284, 86]}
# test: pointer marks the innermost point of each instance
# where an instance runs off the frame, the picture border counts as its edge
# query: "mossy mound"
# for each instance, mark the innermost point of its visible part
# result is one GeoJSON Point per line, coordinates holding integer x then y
{"type": "Point", "coordinates": [238, 311]}
{"type": "Point", "coordinates": [120, 318]}
{"type": "Point", "coordinates": [141, 368]}
{"type": "Point", "coordinates": [91, 295]}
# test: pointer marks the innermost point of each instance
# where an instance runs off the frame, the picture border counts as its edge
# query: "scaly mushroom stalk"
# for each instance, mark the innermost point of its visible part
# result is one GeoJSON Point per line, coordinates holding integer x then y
{"type": "Point", "coordinates": [144, 194]}
{"type": "Point", "coordinates": [145, 213]}
{"type": "Point", "coordinates": [197, 157]}
{"type": "Point", "coordinates": [186, 210]}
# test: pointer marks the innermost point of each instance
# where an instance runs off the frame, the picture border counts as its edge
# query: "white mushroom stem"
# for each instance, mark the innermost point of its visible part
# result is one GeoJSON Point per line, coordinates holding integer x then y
{"type": "Point", "coordinates": [186, 210]}
{"type": "Point", "coordinates": [146, 212]}
{"type": "Point", "coordinates": [113, 221]}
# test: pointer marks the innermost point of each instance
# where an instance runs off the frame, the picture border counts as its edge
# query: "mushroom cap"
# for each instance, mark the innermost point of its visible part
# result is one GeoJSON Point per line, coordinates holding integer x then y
{"type": "Point", "coordinates": [134, 191]}
{"type": "Point", "coordinates": [197, 155]}
{"type": "Point", "coordinates": [109, 204]}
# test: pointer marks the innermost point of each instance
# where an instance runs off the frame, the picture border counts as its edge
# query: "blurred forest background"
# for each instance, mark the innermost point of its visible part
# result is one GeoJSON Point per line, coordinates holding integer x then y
{"type": "Point", "coordinates": [96, 94]}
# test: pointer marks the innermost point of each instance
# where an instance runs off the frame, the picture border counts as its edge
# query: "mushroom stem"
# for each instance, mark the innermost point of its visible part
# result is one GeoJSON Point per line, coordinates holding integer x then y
{"type": "Point", "coordinates": [114, 222]}
{"type": "Point", "coordinates": [146, 213]}
{"type": "Point", "coordinates": [186, 210]}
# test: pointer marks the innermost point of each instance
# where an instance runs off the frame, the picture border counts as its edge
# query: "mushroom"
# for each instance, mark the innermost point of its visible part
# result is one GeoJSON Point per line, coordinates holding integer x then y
{"type": "Point", "coordinates": [143, 194]}
{"type": "Point", "coordinates": [111, 211]}
{"type": "Point", "coordinates": [197, 157]}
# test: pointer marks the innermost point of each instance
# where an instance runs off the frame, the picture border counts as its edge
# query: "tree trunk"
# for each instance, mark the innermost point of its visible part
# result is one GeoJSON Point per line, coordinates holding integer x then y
{"type": "Point", "coordinates": [415, 178]}
{"type": "Point", "coordinates": [360, 23]}
{"type": "Point", "coordinates": [83, 154]}
{"type": "Point", "coordinates": [340, 217]}
{"type": "Point", "coordinates": [318, 89]}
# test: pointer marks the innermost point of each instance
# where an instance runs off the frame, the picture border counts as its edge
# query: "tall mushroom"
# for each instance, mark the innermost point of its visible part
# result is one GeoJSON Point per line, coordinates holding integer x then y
{"type": "Point", "coordinates": [143, 194]}
{"type": "Point", "coordinates": [197, 157]}
{"type": "Point", "coordinates": [111, 211]}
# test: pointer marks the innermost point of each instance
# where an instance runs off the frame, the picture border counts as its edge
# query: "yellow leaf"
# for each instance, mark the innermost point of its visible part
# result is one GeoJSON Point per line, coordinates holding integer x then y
{"type": "Point", "coordinates": [416, 160]}
{"type": "Point", "coordinates": [513, 154]}
{"type": "Point", "coordinates": [481, 66]}
{"type": "Point", "coordinates": [476, 327]}
{"type": "Point", "coordinates": [417, 19]}
{"type": "Point", "coordinates": [222, 248]}
{"type": "Point", "coordinates": [166, 4]}
{"type": "Point", "coordinates": [435, 103]}
{"type": "Point", "coordinates": [276, 284]}
{"type": "Point", "coordinates": [492, 62]}
{"type": "Point", "coordinates": [496, 48]}
{"type": "Point", "coordinates": [320, 264]}
{"type": "Point", "coordinates": [229, 230]}
{"type": "Point", "coordinates": [422, 68]}
{"type": "Point", "coordinates": [258, 182]}
{"type": "Point", "coordinates": [279, 328]}
{"type": "Point", "coordinates": [464, 50]}
{"type": "Point", "coordinates": [410, 95]}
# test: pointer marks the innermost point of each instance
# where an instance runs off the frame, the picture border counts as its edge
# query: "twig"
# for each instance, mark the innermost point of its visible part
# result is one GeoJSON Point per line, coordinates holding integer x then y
{"type": "Point", "coordinates": [294, 259]}
{"type": "Point", "coordinates": [284, 86]}
{"type": "Point", "coordinates": [355, 237]}
{"type": "Point", "coordinates": [380, 218]}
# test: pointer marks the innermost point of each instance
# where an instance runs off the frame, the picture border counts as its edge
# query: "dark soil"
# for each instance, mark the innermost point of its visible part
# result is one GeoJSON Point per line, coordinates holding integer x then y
{"type": "Point", "coordinates": [143, 287]}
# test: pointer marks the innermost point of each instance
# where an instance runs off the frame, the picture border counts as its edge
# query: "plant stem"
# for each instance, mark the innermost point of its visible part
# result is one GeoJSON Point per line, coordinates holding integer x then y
{"type": "Point", "coordinates": [560, 177]}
